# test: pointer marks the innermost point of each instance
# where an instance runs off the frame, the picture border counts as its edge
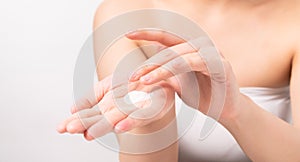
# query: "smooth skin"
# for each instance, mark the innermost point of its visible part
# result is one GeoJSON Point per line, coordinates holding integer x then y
{"type": "Point", "coordinates": [260, 44]}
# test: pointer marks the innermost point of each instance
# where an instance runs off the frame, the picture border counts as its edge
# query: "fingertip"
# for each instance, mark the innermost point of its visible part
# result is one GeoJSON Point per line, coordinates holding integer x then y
{"type": "Point", "coordinates": [61, 128]}
{"type": "Point", "coordinates": [133, 78]}
{"type": "Point", "coordinates": [88, 137]}
{"type": "Point", "coordinates": [73, 109]}
{"type": "Point", "coordinates": [131, 35]}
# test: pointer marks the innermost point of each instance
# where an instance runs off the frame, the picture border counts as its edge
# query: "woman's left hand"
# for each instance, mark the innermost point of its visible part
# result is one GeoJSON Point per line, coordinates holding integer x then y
{"type": "Point", "coordinates": [215, 79]}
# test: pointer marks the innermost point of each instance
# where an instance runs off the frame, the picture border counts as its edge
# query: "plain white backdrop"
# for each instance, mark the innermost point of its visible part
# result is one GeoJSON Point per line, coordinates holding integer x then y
{"type": "Point", "coordinates": [39, 43]}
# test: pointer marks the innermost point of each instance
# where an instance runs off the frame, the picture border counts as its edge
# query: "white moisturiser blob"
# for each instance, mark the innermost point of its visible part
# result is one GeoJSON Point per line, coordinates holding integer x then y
{"type": "Point", "coordinates": [136, 96]}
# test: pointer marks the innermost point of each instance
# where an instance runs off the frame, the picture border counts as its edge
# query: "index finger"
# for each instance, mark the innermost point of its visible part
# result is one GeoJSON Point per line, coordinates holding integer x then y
{"type": "Point", "coordinates": [162, 37]}
{"type": "Point", "coordinates": [169, 54]}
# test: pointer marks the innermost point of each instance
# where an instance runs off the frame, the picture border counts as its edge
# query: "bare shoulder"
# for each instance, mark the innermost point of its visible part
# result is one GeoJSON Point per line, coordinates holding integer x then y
{"type": "Point", "coordinates": [295, 20]}
{"type": "Point", "coordinates": [289, 24]}
{"type": "Point", "coordinates": [111, 8]}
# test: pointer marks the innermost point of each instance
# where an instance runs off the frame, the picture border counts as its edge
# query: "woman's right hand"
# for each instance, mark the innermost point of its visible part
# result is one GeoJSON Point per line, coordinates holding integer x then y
{"type": "Point", "coordinates": [95, 116]}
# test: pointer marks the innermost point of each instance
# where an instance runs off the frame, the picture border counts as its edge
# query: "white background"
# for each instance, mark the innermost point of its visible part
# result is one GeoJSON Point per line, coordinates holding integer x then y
{"type": "Point", "coordinates": [39, 43]}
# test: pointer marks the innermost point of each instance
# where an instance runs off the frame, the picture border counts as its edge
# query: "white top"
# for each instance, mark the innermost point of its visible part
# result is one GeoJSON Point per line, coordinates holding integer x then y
{"type": "Point", "coordinates": [220, 144]}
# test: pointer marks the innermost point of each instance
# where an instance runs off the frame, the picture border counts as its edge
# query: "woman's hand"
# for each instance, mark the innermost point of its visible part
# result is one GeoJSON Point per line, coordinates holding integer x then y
{"type": "Point", "coordinates": [171, 69]}
{"type": "Point", "coordinates": [215, 80]}
{"type": "Point", "coordinates": [112, 109]}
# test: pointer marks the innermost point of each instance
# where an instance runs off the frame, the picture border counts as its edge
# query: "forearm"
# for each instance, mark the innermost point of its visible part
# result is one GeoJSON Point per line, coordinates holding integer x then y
{"type": "Point", "coordinates": [263, 136]}
{"type": "Point", "coordinates": [134, 147]}
{"type": "Point", "coordinates": [154, 142]}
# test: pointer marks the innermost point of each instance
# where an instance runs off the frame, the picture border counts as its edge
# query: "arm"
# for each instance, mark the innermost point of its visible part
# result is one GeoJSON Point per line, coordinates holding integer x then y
{"type": "Point", "coordinates": [262, 136]}
{"type": "Point", "coordinates": [106, 67]}
{"type": "Point", "coordinates": [265, 137]}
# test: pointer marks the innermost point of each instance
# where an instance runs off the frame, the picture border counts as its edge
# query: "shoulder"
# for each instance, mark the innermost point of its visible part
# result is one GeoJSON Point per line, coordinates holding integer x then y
{"type": "Point", "coordinates": [111, 8]}
{"type": "Point", "coordinates": [289, 24]}
{"type": "Point", "coordinates": [296, 27]}
{"type": "Point", "coordinates": [297, 24]}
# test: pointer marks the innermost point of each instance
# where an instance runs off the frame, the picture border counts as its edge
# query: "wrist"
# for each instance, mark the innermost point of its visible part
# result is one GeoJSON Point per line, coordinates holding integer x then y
{"type": "Point", "coordinates": [237, 110]}
{"type": "Point", "coordinates": [151, 141]}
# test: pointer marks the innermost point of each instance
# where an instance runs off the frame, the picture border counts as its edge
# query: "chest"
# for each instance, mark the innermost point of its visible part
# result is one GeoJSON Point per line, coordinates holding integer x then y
{"type": "Point", "coordinates": [257, 44]}
{"type": "Point", "coordinates": [260, 52]}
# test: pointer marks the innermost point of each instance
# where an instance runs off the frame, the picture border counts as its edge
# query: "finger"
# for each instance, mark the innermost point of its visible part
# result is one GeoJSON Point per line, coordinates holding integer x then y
{"type": "Point", "coordinates": [215, 64]}
{"type": "Point", "coordinates": [106, 103]}
{"type": "Point", "coordinates": [62, 127]}
{"type": "Point", "coordinates": [80, 125]}
{"type": "Point", "coordinates": [100, 128]}
{"type": "Point", "coordinates": [82, 104]}
{"type": "Point", "coordinates": [123, 109]}
{"type": "Point", "coordinates": [170, 54]}
{"type": "Point", "coordinates": [93, 97]}
{"type": "Point", "coordinates": [107, 122]}
{"type": "Point", "coordinates": [161, 58]}
{"type": "Point", "coordinates": [162, 37]}
{"type": "Point", "coordinates": [138, 119]}
{"type": "Point", "coordinates": [179, 65]}
{"type": "Point", "coordinates": [156, 75]}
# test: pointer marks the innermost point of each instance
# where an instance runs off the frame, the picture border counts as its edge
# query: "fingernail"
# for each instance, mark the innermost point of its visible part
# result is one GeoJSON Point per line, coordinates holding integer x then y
{"type": "Point", "coordinates": [146, 78]}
